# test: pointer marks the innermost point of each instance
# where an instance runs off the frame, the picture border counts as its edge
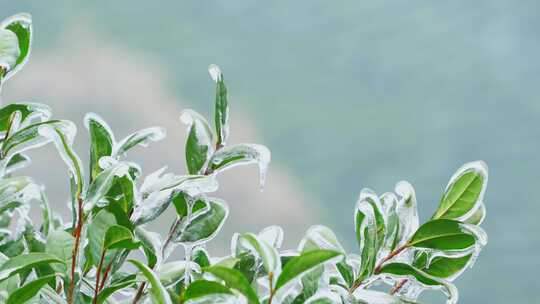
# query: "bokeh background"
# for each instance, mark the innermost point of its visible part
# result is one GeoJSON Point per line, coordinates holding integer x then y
{"type": "Point", "coordinates": [347, 94]}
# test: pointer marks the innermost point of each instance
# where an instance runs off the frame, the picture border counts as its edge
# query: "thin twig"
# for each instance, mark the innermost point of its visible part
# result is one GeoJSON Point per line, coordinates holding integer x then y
{"type": "Point", "coordinates": [398, 287]}
{"type": "Point", "coordinates": [98, 275]}
{"type": "Point", "coordinates": [75, 252]}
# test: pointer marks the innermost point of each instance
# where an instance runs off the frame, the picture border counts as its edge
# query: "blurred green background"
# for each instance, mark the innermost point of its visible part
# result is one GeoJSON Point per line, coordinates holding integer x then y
{"type": "Point", "coordinates": [349, 94]}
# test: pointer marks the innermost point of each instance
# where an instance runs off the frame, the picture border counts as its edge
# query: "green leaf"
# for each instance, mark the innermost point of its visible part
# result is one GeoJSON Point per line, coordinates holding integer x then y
{"type": "Point", "coordinates": [199, 143]}
{"type": "Point", "coordinates": [205, 224]}
{"type": "Point", "coordinates": [119, 237]}
{"type": "Point", "coordinates": [441, 266]}
{"type": "Point", "coordinates": [29, 290]}
{"type": "Point", "coordinates": [21, 25]}
{"type": "Point", "coordinates": [442, 234]}
{"type": "Point", "coordinates": [96, 234]}
{"type": "Point", "coordinates": [300, 264]}
{"type": "Point", "coordinates": [203, 288]}
{"type": "Point", "coordinates": [60, 244]}
{"type": "Point", "coordinates": [366, 235]}
{"type": "Point", "coordinates": [23, 262]}
{"type": "Point", "coordinates": [101, 141]}
{"type": "Point", "coordinates": [464, 191]}
{"type": "Point", "coordinates": [111, 289]}
{"type": "Point", "coordinates": [221, 111]}
{"type": "Point", "coordinates": [235, 280]}
{"type": "Point", "coordinates": [158, 293]}
{"type": "Point", "coordinates": [151, 243]}
{"type": "Point", "coordinates": [142, 138]}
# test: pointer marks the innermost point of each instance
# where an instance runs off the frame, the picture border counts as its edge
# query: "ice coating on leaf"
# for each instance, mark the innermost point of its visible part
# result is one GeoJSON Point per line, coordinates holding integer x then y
{"type": "Point", "coordinates": [218, 298]}
{"type": "Point", "coordinates": [464, 192]}
{"type": "Point", "coordinates": [320, 237]}
{"type": "Point", "coordinates": [389, 204]}
{"type": "Point", "coordinates": [21, 21]}
{"type": "Point", "coordinates": [215, 72]}
{"type": "Point", "coordinates": [260, 249]}
{"type": "Point", "coordinates": [477, 215]}
{"type": "Point", "coordinates": [141, 138]}
{"type": "Point", "coordinates": [89, 117]}
{"type": "Point", "coordinates": [9, 49]}
{"type": "Point", "coordinates": [366, 233]}
{"type": "Point", "coordinates": [63, 141]}
{"type": "Point", "coordinates": [407, 211]}
{"type": "Point", "coordinates": [171, 273]}
{"type": "Point", "coordinates": [243, 154]}
{"type": "Point", "coordinates": [103, 182]}
{"type": "Point", "coordinates": [31, 137]}
{"type": "Point", "coordinates": [151, 240]}
{"type": "Point", "coordinates": [273, 235]}
{"type": "Point", "coordinates": [200, 142]}
{"type": "Point", "coordinates": [412, 287]}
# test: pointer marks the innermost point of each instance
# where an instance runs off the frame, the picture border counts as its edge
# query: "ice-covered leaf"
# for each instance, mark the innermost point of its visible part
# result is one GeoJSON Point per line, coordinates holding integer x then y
{"type": "Point", "coordinates": [206, 224]}
{"type": "Point", "coordinates": [442, 234]}
{"type": "Point", "coordinates": [173, 272]}
{"type": "Point", "coordinates": [119, 237]}
{"type": "Point", "coordinates": [114, 287]}
{"type": "Point", "coordinates": [478, 216]}
{"type": "Point", "coordinates": [63, 138]}
{"type": "Point", "coordinates": [389, 203]}
{"type": "Point", "coordinates": [60, 244]}
{"type": "Point", "coordinates": [407, 212]}
{"type": "Point", "coordinates": [320, 237]}
{"type": "Point", "coordinates": [464, 192]}
{"type": "Point", "coordinates": [405, 271]}
{"type": "Point", "coordinates": [17, 162]}
{"type": "Point", "coordinates": [23, 262]}
{"type": "Point", "coordinates": [21, 26]}
{"type": "Point", "coordinates": [261, 249]}
{"type": "Point", "coordinates": [204, 288]}
{"type": "Point", "coordinates": [142, 138]}
{"type": "Point", "coordinates": [273, 235]}
{"type": "Point", "coordinates": [221, 112]}
{"type": "Point", "coordinates": [96, 234]}
{"type": "Point", "coordinates": [29, 290]}
{"type": "Point", "coordinates": [101, 141]}
{"type": "Point", "coordinates": [235, 280]}
{"type": "Point", "coordinates": [103, 182]}
{"type": "Point", "coordinates": [151, 243]}
{"type": "Point", "coordinates": [30, 137]}
{"type": "Point", "coordinates": [29, 112]}
{"type": "Point", "coordinates": [9, 51]}
{"type": "Point", "coordinates": [199, 143]}
{"type": "Point", "coordinates": [242, 154]}
{"type": "Point", "coordinates": [377, 297]}
{"type": "Point", "coordinates": [366, 234]}
{"type": "Point", "coordinates": [158, 293]}
{"type": "Point", "coordinates": [305, 262]}
{"type": "Point", "coordinates": [441, 266]}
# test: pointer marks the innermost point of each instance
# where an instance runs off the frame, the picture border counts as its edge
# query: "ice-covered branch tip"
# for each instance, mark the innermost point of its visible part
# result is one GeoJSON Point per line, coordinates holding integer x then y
{"type": "Point", "coordinates": [215, 72]}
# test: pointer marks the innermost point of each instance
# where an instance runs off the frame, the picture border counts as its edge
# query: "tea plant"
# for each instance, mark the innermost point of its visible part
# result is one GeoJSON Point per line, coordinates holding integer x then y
{"type": "Point", "coordinates": [92, 258]}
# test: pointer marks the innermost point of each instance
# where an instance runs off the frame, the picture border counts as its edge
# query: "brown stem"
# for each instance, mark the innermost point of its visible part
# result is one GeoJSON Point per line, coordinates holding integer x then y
{"type": "Point", "coordinates": [98, 276]}
{"type": "Point", "coordinates": [77, 234]}
{"type": "Point", "coordinates": [139, 293]}
{"type": "Point", "coordinates": [272, 291]}
{"type": "Point", "coordinates": [377, 269]}
{"type": "Point", "coordinates": [390, 256]}
{"type": "Point", "coordinates": [398, 287]}
{"type": "Point", "coordinates": [105, 276]}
